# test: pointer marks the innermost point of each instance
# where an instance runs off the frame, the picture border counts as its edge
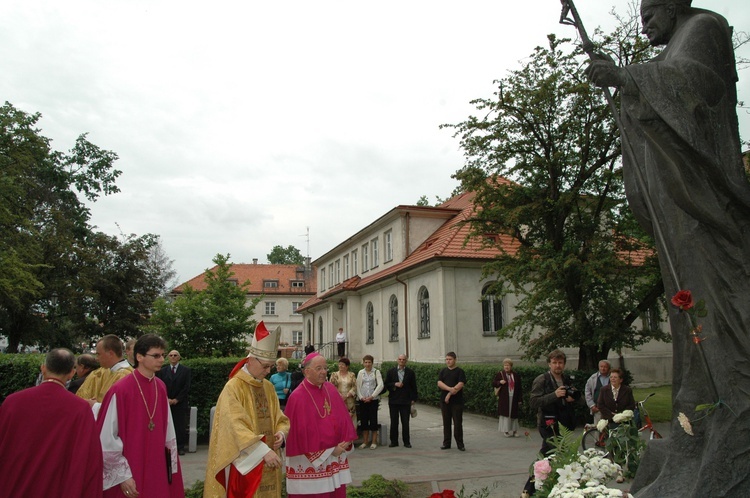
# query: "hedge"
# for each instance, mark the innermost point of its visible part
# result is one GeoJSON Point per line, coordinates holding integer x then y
{"type": "Point", "coordinates": [19, 371]}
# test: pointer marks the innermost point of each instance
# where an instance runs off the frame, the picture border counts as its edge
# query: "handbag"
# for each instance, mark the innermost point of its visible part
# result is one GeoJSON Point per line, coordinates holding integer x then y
{"type": "Point", "coordinates": [413, 411]}
{"type": "Point", "coordinates": [497, 391]}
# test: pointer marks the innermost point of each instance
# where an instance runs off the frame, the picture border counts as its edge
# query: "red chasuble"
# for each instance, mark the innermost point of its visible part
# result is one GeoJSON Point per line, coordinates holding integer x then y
{"type": "Point", "coordinates": [49, 445]}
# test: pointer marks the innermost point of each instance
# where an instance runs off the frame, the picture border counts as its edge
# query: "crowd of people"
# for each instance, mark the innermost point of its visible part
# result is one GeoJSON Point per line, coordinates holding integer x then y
{"type": "Point", "coordinates": [119, 418]}
{"type": "Point", "coordinates": [114, 435]}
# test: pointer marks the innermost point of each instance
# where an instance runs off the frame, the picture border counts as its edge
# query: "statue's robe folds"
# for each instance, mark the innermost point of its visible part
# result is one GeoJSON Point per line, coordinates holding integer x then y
{"type": "Point", "coordinates": [679, 117]}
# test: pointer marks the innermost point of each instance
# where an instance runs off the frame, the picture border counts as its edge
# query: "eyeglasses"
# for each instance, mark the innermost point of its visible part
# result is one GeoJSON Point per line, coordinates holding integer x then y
{"type": "Point", "coordinates": [174, 355]}
{"type": "Point", "coordinates": [156, 356]}
{"type": "Point", "coordinates": [264, 365]}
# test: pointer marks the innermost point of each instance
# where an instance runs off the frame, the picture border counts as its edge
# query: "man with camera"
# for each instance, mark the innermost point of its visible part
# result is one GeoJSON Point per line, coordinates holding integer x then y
{"type": "Point", "coordinates": [554, 397]}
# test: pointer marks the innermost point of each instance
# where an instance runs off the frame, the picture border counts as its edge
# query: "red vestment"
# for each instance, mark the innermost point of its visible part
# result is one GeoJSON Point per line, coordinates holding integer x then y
{"type": "Point", "coordinates": [130, 448]}
{"type": "Point", "coordinates": [49, 445]}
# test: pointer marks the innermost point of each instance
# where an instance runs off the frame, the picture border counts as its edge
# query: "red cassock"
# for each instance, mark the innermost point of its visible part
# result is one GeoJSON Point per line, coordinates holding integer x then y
{"type": "Point", "coordinates": [49, 445]}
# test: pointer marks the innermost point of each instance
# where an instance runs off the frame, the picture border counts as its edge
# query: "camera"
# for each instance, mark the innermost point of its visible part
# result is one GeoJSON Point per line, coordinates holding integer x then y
{"type": "Point", "coordinates": [572, 392]}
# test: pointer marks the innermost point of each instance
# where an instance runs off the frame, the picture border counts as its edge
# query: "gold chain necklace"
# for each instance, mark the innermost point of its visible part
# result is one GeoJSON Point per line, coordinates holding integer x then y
{"type": "Point", "coordinates": [326, 403]}
{"type": "Point", "coordinates": [156, 401]}
{"type": "Point", "coordinates": [56, 382]}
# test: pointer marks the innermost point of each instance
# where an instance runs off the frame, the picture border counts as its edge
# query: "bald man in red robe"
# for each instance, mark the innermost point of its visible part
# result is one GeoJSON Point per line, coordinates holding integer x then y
{"type": "Point", "coordinates": [49, 445]}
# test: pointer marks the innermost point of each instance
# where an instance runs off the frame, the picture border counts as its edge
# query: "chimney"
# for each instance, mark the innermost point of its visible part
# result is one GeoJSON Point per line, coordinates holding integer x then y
{"type": "Point", "coordinates": [255, 261]}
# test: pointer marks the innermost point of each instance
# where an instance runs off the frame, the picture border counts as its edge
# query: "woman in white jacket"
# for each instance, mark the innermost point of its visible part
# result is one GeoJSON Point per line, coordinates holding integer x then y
{"type": "Point", "coordinates": [369, 386]}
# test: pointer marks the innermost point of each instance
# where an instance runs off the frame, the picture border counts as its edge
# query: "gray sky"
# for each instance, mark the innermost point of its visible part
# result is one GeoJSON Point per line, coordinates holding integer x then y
{"type": "Point", "coordinates": [240, 124]}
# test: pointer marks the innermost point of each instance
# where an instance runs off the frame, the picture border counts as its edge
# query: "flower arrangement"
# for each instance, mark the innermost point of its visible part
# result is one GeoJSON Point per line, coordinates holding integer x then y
{"type": "Point", "coordinates": [624, 443]}
{"type": "Point", "coordinates": [446, 493]}
{"type": "Point", "coordinates": [568, 473]}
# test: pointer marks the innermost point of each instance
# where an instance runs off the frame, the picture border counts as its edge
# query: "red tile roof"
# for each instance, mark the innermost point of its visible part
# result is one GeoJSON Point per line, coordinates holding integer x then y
{"type": "Point", "coordinates": [450, 242]}
{"type": "Point", "coordinates": [258, 273]}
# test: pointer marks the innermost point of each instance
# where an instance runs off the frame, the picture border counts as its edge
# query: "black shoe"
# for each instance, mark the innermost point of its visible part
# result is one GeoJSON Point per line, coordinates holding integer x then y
{"type": "Point", "coordinates": [180, 452]}
{"type": "Point", "coordinates": [445, 447]}
{"type": "Point", "coordinates": [461, 448]}
{"type": "Point", "coordinates": [407, 445]}
{"type": "Point", "coordinates": [393, 445]}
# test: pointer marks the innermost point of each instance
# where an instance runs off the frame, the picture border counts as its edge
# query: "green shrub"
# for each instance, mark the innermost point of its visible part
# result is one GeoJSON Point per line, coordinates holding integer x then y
{"type": "Point", "coordinates": [377, 486]}
{"type": "Point", "coordinates": [196, 491]}
{"type": "Point", "coordinates": [18, 371]}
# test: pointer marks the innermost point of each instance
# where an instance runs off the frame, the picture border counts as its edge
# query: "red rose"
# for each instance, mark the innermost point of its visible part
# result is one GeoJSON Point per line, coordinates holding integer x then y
{"type": "Point", "coordinates": [436, 495]}
{"type": "Point", "coordinates": [683, 300]}
{"type": "Point", "coordinates": [448, 493]}
{"type": "Point", "coordinates": [549, 421]}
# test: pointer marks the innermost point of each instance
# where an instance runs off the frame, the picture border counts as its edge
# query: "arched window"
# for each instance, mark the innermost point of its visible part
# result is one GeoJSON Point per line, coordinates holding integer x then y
{"type": "Point", "coordinates": [370, 324]}
{"type": "Point", "coordinates": [492, 312]}
{"type": "Point", "coordinates": [393, 311]}
{"type": "Point", "coordinates": [320, 332]}
{"type": "Point", "coordinates": [424, 313]}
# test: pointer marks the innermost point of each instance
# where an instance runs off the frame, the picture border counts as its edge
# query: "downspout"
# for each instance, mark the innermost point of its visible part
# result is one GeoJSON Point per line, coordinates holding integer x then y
{"type": "Point", "coordinates": [406, 314]}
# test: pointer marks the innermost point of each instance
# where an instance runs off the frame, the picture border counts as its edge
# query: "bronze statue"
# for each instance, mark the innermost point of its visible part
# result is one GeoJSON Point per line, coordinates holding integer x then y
{"type": "Point", "coordinates": [685, 182]}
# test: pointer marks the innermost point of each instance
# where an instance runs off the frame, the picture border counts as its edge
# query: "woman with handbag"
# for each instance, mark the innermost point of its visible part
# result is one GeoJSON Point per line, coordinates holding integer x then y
{"type": "Point", "coordinates": [507, 386]}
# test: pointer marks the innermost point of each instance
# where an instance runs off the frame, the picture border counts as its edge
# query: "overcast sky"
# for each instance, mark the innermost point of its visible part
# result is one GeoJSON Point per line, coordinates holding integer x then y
{"type": "Point", "coordinates": [241, 124]}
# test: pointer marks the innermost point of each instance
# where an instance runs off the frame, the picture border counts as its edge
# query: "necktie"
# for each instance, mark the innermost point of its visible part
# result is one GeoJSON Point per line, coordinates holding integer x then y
{"type": "Point", "coordinates": [174, 370]}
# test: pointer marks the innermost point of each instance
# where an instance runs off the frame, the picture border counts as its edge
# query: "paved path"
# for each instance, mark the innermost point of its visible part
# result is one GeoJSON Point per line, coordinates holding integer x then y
{"type": "Point", "coordinates": [490, 460]}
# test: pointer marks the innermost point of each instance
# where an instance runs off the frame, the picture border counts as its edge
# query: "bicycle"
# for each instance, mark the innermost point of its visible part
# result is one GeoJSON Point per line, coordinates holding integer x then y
{"type": "Point", "coordinates": [595, 439]}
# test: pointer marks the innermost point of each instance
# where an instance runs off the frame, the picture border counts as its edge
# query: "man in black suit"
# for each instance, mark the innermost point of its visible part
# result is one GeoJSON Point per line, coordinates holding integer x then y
{"type": "Point", "coordinates": [177, 378]}
{"type": "Point", "coordinates": [401, 383]}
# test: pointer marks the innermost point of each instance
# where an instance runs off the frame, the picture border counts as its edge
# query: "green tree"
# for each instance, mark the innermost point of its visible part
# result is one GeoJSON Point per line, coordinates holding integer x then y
{"type": "Point", "coordinates": [544, 161]}
{"type": "Point", "coordinates": [285, 256]}
{"type": "Point", "coordinates": [216, 321]}
{"type": "Point", "coordinates": [43, 220]}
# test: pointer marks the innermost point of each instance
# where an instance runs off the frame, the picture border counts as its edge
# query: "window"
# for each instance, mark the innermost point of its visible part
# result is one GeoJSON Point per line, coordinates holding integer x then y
{"type": "Point", "coordinates": [309, 331]}
{"type": "Point", "coordinates": [322, 279]}
{"type": "Point", "coordinates": [393, 312]}
{"type": "Point", "coordinates": [233, 282]}
{"type": "Point", "coordinates": [492, 312]}
{"type": "Point", "coordinates": [298, 284]}
{"type": "Point", "coordinates": [331, 277]}
{"type": "Point", "coordinates": [374, 248]}
{"type": "Point", "coordinates": [270, 308]}
{"type": "Point", "coordinates": [346, 267]}
{"type": "Point", "coordinates": [355, 268]}
{"type": "Point", "coordinates": [365, 255]}
{"type": "Point", "coordinates": [295, 305]}
{"type": "Point", "coordinates": [320, 331]}
{"type": "Point", "coordinates": [270, 284]}
{"type": "Point", "coordinates": [297, 337]}
{"type": "Point", "coordinates": [424, 313]}
{"type": "Point", "coordinates": [370, 324]}
{"type": "Point", "coordinates": [338, 271]}
{"type": "Point", "coordinates": [388, 246]}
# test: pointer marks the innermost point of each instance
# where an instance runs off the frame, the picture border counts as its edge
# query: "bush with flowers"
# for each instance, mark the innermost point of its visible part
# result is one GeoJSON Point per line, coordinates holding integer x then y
{"type": "Point", "coordinates": [624, 443]}
{"type": "Point", "coordinates": [568, 473]}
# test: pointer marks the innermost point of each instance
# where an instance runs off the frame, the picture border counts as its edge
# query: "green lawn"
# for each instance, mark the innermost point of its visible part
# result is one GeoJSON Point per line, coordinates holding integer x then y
{"type": "Point", "coordinates": [659, 406]}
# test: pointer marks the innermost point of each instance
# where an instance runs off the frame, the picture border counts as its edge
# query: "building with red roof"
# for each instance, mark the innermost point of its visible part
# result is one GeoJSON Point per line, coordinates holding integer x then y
{"type": "Point", "coordinates": [411, 282]}
{"type": "Point", "coordinates": [283, 289]}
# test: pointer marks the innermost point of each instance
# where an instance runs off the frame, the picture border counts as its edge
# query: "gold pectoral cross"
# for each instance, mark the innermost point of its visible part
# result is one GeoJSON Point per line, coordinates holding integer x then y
{"type": "Point", "coordinates": [327, 407]}
{"type": "Point", "coordinates": [151, 425]}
